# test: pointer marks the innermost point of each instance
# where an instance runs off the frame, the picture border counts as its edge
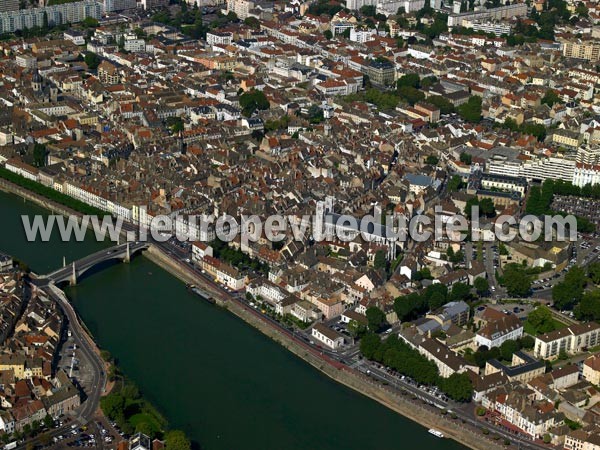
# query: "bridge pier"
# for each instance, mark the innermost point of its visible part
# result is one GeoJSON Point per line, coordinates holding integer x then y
{"type": "Point", "coordinates": [73, 279]}
{"type": "Point", "coordinates": [127, 255]}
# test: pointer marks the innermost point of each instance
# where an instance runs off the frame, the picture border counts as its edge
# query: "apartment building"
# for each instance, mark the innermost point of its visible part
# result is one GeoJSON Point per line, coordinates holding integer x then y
{"type": "Point", "coordinates": [20, 168]}
{"type": "Point", "coordinates": [571, 340]}
{"type": "Point", "coordinates": [498, 28]}
{"type": "Point", "coordinates": [586, 174]}
{"type": "Point", "coordinates": [381, 72]}
{"type": "Point", "coordinates": [9, 5]}
{"type": "Point", "coordinates": [217, 38]}
{"type": "Point", "coordinates": [502, 12]}
{"type": "Point", "coordinates": [149, 4]}
{"type": "Point", "coordinates": [240, 7]}
{"type": "Point", "coordinates": [567, 138]}
{"type": "Point", "coordinates": [538, 169]}
{"type": "Point", "coordinates": [118, 5]}
{"type": "Point", "coordinates": [357, 4]}
{"type": "Point", "coordinates": [582, 49]}
{"type": "Point", "coordinates": [75, 12]}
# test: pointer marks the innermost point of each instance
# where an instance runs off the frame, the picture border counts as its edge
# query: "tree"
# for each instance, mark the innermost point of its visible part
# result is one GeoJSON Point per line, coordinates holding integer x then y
{"type": "Point", "coordinates": [90, 22]}
{"type": "Point", "coordinates": [253, 22]}
{"type": "Point", "coordinates": [410, 94]}
{"type": "Point", "coordinates": [432, 160]}
{"type": "Point", "coordinates": [48, 421]}
{"type": "Point", "coordinates": [516, 280]}
{"type": "Point", "coordinates": [594, 272]}
{"type": "Point", "coordinates": [465, 158]}
{"type": "Point", "coordinates": [368, 10]}
{"type": "Point", "coordinates": [328, 35]}
{"type": "Point", "coordinates": [409, 306]}
{"type": "Point", "coordinates": [455, 183]}
{"type": "Point", "coordinates": [315, 114]}
{"type": "Point", "coordinates": [92, 60]}
{"type": "Point", "coordinates": [380, 261]}
{"type": "Point", "coordinates": [471, 110]}
{"type": "Point", "coordinates": [482, 286]}
{"type": "Point", "coordinates": [508, 348]}
{"type": "Point", "coordinates": [177, 440]}
{"type": "Point", "coordinates": [460, 291]}
{"type": "Point", "coordinates": [148, 428]}
{"type": "Point", "coordinates": [589, 308]}
{"type": "Point", "coordinates": [437, 100]}
{"type": "Point", "coordinates": [581, 10]}
{"type": "Point", "coordinates": [113, 405]}
{"type": "Point", "coordinates": [409, 80]}
{"type": "Point", "coordinates": [175, 124]}
{"type": "Point", "coordinates": [541, 320]}
{"type": "Point", "coordinates": [487, 207]}
{"type": "Point", "coordinates": [39, 155]}
{"type": "Point", "coordinates": [376, 318]}
{"type": "Point", "coordinates": [527, 342]}
{"type": "Point", "coordinates": [253, 100]}
{"type": "Point", "coordinates": [369, 345]}
{"type": "Point", "coordinates": [569, 292]}
{"type": "Point", "coordinates": [356, 329]}
{"type": "Point", "coordinates": [458, 387]}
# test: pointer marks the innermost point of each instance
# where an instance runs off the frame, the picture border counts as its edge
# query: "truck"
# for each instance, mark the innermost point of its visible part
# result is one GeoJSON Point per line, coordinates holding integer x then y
{"type": "Point", "coordinates": [10, 445]}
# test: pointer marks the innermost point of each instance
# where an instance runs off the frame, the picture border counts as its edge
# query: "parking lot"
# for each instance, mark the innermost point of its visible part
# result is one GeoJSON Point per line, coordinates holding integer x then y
{"type": "Point", "coordinates": [521, 310]}
{"type": "Point", "coordinates": [74, 363]}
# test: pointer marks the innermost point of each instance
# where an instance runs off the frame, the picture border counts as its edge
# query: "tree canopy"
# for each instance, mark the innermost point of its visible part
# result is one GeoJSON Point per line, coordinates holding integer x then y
{"type": "Point", "coordinates": [541, 320]}
{"type": "Point", "coordinates": [176, 440]}
{"type": "Point", "coordinates": [516, 280]}
{"type": "Point", "coordinates": [376, 318]}
{"type": "Point", "coordinates": [471, 110]}
{"type": "Point", "coordinates": [253, 100]}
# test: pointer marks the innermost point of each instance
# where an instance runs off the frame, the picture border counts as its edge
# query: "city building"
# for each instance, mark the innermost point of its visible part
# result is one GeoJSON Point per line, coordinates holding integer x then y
{"type": "Point", "coordinates": [56, 15]}
{"type": "Point", "coordinates": [496, 332]}
{"type": "Point", "coordinates": [591, 369]}
{"type": "Point", "coordinates": [327, 336]}
{"type": "Point", "coordinates": [9, 5]}
{"type": "Point", "coordinates": [217, 38]}
{"type": "Point", "coordinates": [491, 14]}
{"type": "Point", "coordinates": [581, 49]}
{"type": "Point", "coordinates": [118, 5]}
{"type": "Point", "coordinates": [381, 72]}
{"type": "Point", "coordinates": [571, 340]}
{"type": "Point", "coordinates": [149, 4]}
{"type": "Point", "coordinates": [522, 368]}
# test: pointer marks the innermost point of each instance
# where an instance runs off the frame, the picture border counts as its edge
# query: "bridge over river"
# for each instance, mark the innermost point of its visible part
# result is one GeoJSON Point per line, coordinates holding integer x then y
{"type": "Point", "coordinates": [71, 272]}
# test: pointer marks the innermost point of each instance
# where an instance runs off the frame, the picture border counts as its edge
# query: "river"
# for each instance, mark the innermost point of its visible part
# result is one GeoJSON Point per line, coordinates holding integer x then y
{"type": "Point", "coordinates": [221, 381]}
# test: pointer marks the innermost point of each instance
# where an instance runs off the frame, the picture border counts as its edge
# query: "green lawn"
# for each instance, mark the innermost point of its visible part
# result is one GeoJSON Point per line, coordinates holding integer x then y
{"type": "Point", "coordinates": [530, 329]}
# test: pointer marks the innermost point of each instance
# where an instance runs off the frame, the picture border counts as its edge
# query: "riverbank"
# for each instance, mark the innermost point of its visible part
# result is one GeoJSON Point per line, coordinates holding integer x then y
{"type": "Point", "coordinates": [416, 411]}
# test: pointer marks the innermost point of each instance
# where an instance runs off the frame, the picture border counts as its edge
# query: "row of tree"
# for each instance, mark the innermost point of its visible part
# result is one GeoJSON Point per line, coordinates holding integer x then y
{"type": "Point", "coordinates": [398, 355]}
